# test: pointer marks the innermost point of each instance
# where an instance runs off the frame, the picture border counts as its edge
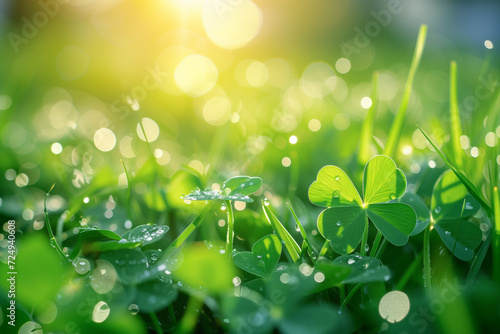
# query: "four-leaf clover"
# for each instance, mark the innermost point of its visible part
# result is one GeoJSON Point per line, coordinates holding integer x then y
{"type": "Point", "coordinates": [347, 215]}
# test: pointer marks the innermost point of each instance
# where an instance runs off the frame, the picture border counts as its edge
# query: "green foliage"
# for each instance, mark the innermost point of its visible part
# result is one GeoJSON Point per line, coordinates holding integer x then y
{"type": "Point", "coordinates": [451, 205]}
{"type": "Point", "coordinates": [344, 221]}
{"type": "Point", "coordinates": [263, 258]}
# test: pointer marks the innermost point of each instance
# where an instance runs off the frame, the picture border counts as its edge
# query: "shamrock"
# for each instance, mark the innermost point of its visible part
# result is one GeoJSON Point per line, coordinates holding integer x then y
{"type": "Point", "coordinates": [449, 197]}
{"type": "Point", "coordinates": [347, 215]}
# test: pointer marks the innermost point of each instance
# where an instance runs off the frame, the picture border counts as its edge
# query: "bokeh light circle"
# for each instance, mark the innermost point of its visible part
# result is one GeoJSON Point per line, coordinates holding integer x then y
{"type": "Point", "coordinates": [217, 110]}
{"type": "Point", "coordinates": [151, 129]}
{"type": "Point", "coordinates": [196, 75]}
{"type": "Point", "coordinates": [104, 139]}
{"type": "Point", "coordinates": [231, 24]}
{"type": "Point", "coordinates": [394, 306]}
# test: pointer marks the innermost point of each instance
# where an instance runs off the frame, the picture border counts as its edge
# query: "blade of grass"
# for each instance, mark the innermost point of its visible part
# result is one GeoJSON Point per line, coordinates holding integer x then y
{"type": "Point", "coordinates": [53, 241]}
{"type": "Point", "coordinates": [397, 126]}
{"type": "Point", "coordinates": [183, 236]}
{"type": "Point", "coordinates": [376, 242]}
{"type": "Point", "coordinates": [129, 193]}
{"type": "Point", "coordinates": [156, 323]}
{"type": "Point", "coordinates": [324, 249]}
{"type": "Point", "coordinates": [456, 125]}
{"type": "Point", "coordinates": [478, 259]}
{"type": "Point", "coordinates": [367, 129]}
{"type": "Point", "coordinates": [230, 229]}
{"type": "Point", "coordinates": [470, 187]}
{"type": "Point", "coordinates": [427, 261]}
{"type": "Point", "coordinates": [409, 272]}
{"type": "Point", "coordinates": [364, 239]}
{"type": "Point", "coordinates": [496, 237]}
{"type": "Point", "coordinates": [312, 254]}
{"type": "Point", "coordinates": [291, 246]}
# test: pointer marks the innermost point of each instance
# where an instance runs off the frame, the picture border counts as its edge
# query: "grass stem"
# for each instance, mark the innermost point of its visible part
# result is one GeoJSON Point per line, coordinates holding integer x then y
{"type": "Point", "coordinates": [427, 261]}
{"type": "Point", "coordinates": [156, 323]}
{"type": "Point", "coordinates": [230, 229]}
{"type": "Point", "coordinates": [188, 321]}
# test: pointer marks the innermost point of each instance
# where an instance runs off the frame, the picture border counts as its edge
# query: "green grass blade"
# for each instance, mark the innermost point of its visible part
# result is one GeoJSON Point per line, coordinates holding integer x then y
{"type": "Point", "coordinates": [367, 129]}
{"type": "Point", "coordinates": [184, 235]}
{"type": "Point", "coordinates": [302, 232]}
{"type": "Point", "coordinates": [397, 126]}
{"type": "Point", "coordinates": [427, 261]}
{"type": "Point", "coordinates": [456, 125]}
{"type": "Point", "coordinates": [53, 241]}
{"type": "Point", "coordinates": [496, 236]}
{"type": "Point", "coordinates": [478, 260]}
{"type": "Point", "coordinates": [470, 187]}
{"type": "Point", "coordinates": [291, 246]}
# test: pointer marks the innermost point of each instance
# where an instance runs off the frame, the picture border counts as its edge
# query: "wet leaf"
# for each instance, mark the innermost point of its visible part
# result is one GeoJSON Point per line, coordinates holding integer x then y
{"type": "Point", "coordinates": [155, 295]}
{"type": "Point", "coordinates": [460, 236]}
{"type": "Point", "coordinates": [365, 269]}
{"type": "Point", "coordinates": [263, 258]}
{"type": "Point", "coordinates": [344, 221]}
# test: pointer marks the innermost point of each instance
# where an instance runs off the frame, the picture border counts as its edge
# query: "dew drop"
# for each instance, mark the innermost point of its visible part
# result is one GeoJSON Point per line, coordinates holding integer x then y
{"type": "Point", "coordinates": [468, 206]}
{"type": "Point", "coordinates": [337, 177]}
{"type": "Point", "coordinates": [223, 207]}
{"type": "Point", "coordinates": [297, 228]}
{"type": "Point", "coordinates": [447, 232]}
{"type": "Point", "coordinates": [134, 309]}
{"type": "Point", "coordinates": [82, 266]}
{"type": "Point", "coordinates": [266, 202]}
{"type": "Point", "coordinates": [350, 261]}
{"type": "Point", "coordinates": [336, 193]}
{"type": "Point", "coordinates": [437, 210]}
{"type": "Point", "coordinates": [339, 223]}
{"type": "Point", "coordinates": [366, 248]}
{"type": "Point", "coordinates": [392, 196]}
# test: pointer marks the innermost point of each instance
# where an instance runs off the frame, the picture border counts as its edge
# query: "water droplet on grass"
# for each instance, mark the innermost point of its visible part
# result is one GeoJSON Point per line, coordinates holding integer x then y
{"type": "Point", "coordinates": [134, 309]}
{"type": "Point", "coordinates": [336, 193]}
{"type": "Point", "coordinates": [437, 210]}
{"type": "Point", "coordinates": [392, 196]}
{"type": "Point", "coordinates": [337, 177]}
{"type": "Point", "coordinates": [266, 202]}
{"type": "Point", "coordinates": [82, 266]}
{"type": "Point", "coordinates": [468, 206]}
{"type": "Point", "coordinates": [223, 207]}
{"type": "Point", "coordinates": [447, 232]}
{"type": "Point", "coordinates": [339, 223]}
{"type": "Point", "coordinates": [366, 248]}
{"type": "Point", "coordinates": [351, 261]}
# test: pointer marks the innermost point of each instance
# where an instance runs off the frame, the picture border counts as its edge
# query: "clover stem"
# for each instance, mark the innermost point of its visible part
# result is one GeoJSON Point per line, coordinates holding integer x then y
{"type": "Point", "coordinates": [376, 242]}
{"type": "Point", "coordinates": [230, 228]}
{"type": "Point", "coordinates": [364, 239]}
{"type": "Point", "coordinates": [156, 323]}
{"type": "Point", "coordinates": [427, 260]}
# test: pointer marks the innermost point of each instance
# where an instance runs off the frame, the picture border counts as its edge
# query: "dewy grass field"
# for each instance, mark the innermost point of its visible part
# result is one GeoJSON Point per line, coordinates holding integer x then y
{"type": "Point", "coordinates": [237, 166]}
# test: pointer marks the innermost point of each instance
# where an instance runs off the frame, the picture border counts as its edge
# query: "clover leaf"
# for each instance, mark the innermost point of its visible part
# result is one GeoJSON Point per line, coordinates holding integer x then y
{"type": "Point", "coordinates": [459, 235]}
{"type": "Point", "coordinates": [263, 258]}
{"type": "Point", "coordinates": [234, 189]}
{"type": "Point", "coordinates": [346, 216]}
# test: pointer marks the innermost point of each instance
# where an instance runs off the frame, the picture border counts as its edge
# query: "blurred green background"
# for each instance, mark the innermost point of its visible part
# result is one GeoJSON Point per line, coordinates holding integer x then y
{"type": "Point", "coordinates": [275, 89]}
